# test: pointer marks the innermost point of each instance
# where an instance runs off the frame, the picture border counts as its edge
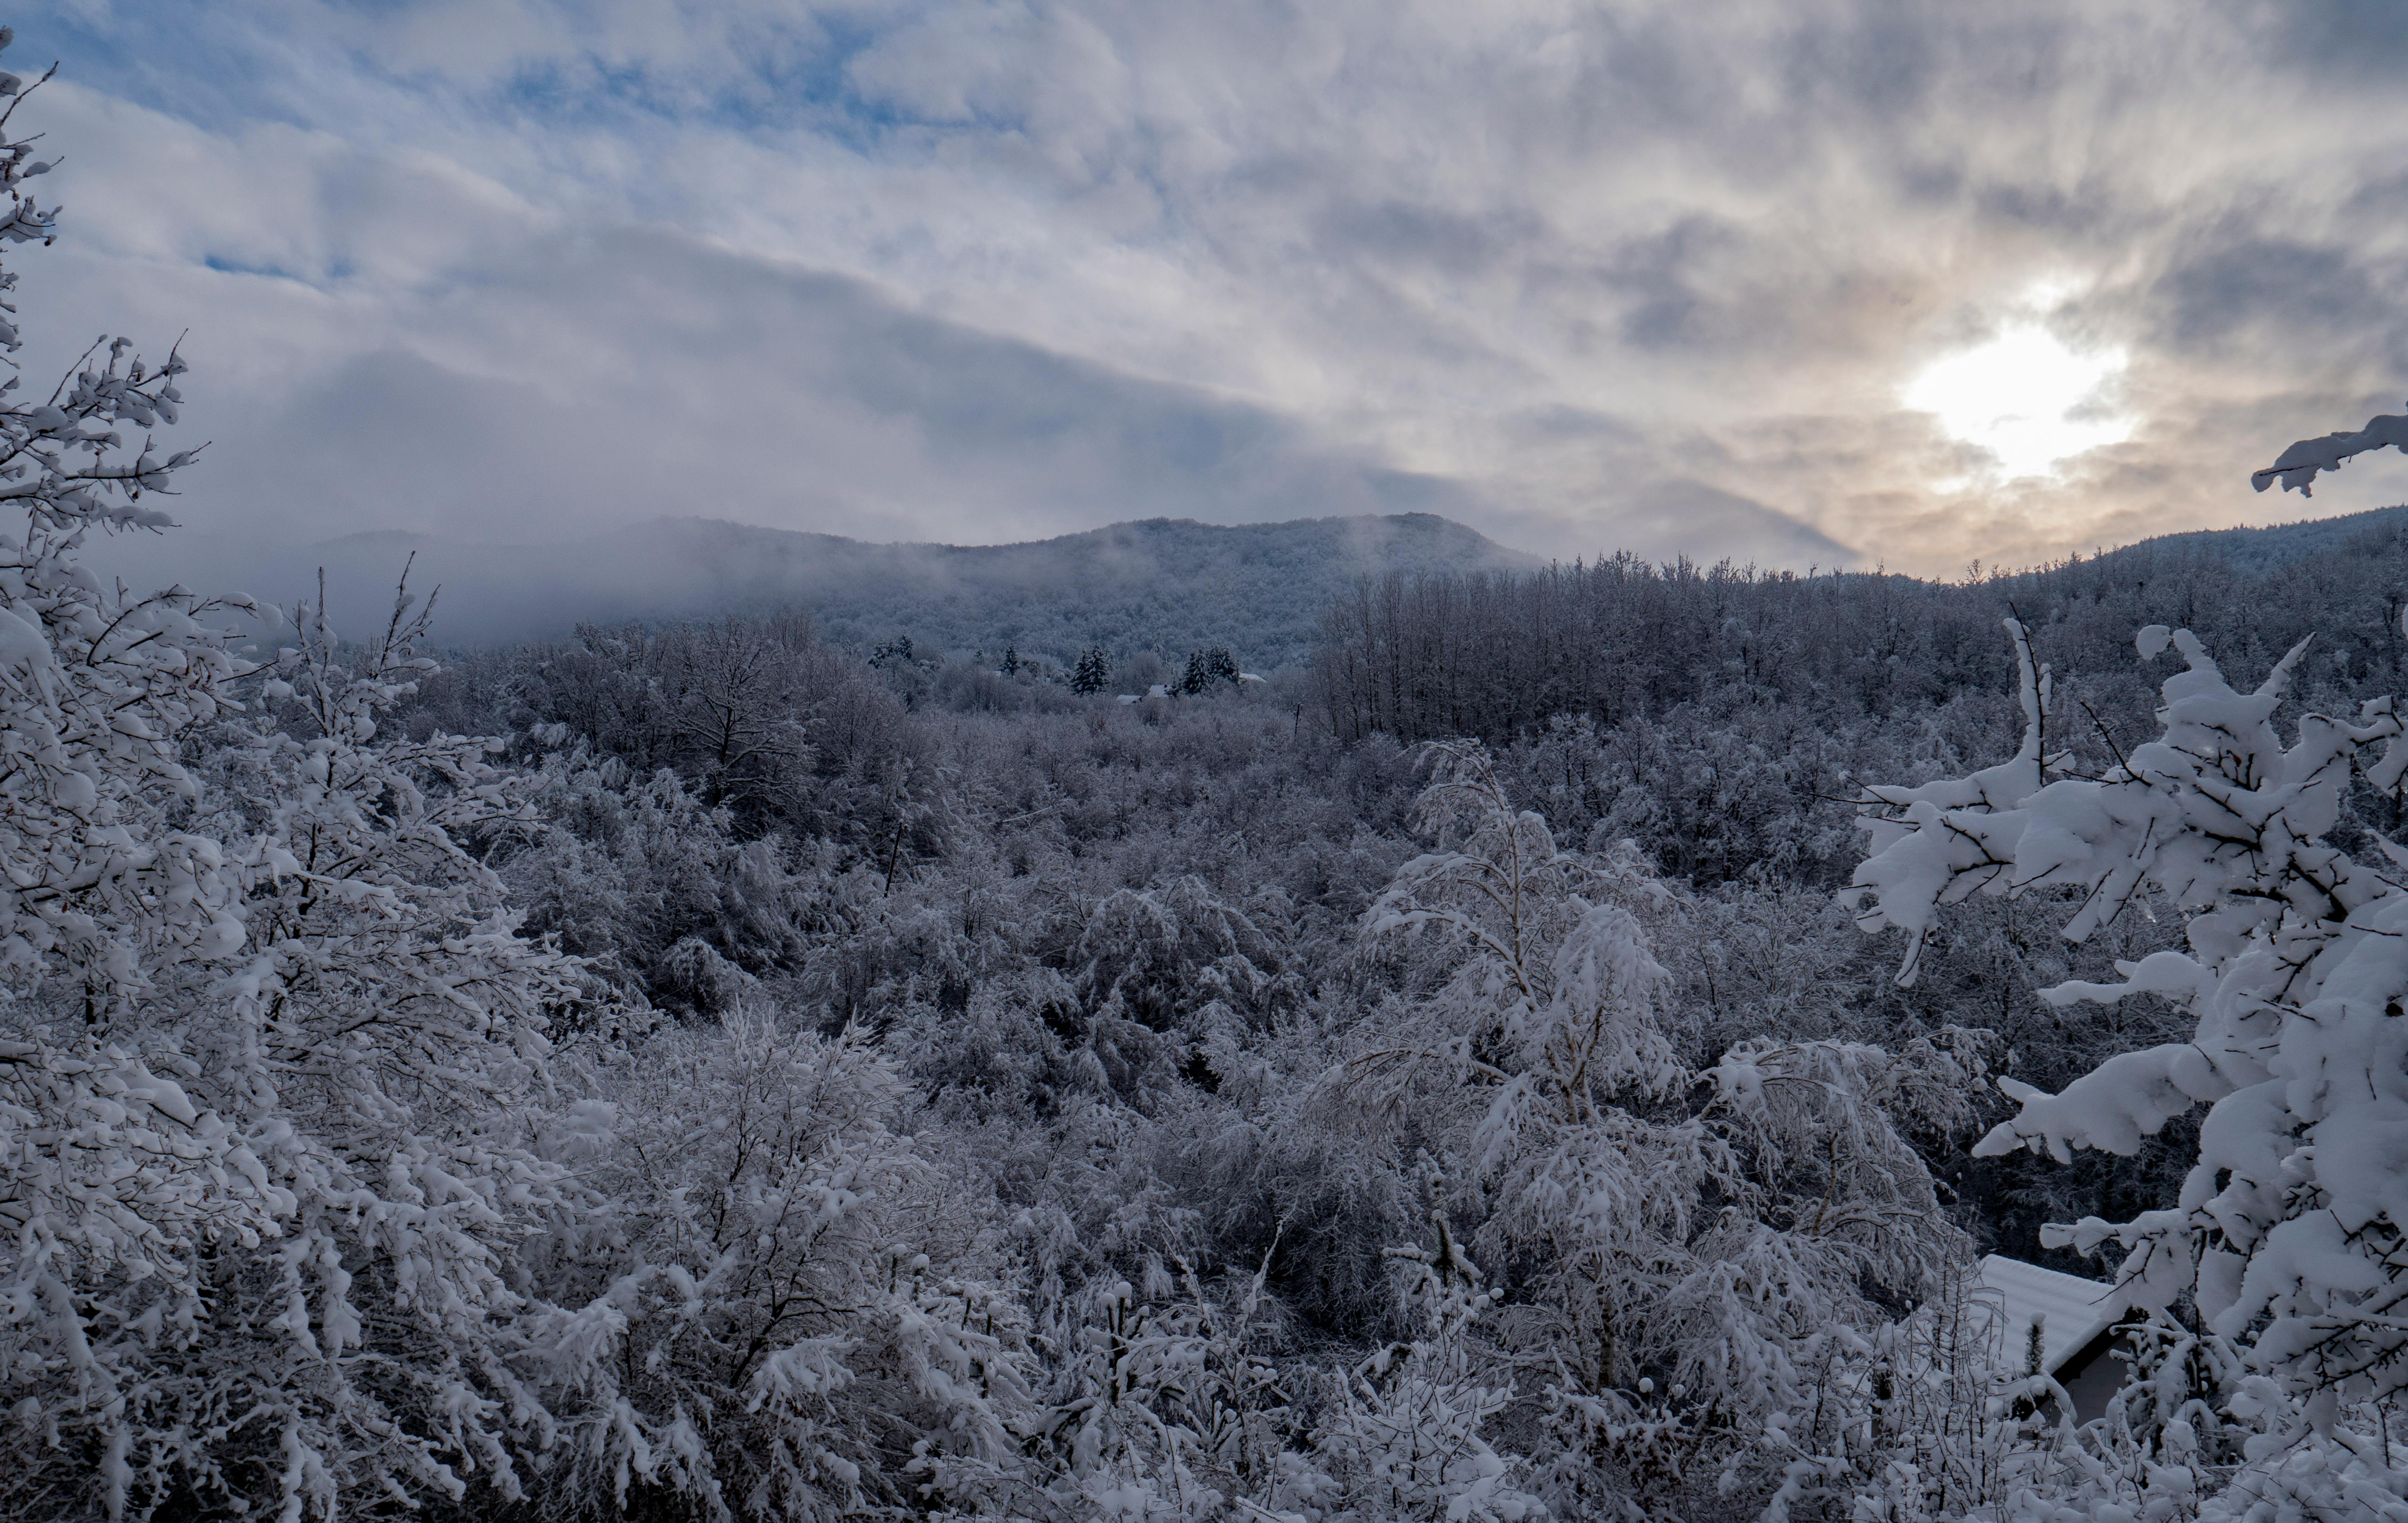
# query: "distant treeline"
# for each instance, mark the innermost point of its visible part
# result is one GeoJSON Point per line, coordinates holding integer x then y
{"type": "Point", "coordinates": [1498, 653]}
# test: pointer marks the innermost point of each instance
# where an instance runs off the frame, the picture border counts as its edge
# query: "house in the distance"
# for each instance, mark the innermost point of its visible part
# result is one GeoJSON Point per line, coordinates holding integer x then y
{"type": "Point", "coordinates": [2077, 1321]}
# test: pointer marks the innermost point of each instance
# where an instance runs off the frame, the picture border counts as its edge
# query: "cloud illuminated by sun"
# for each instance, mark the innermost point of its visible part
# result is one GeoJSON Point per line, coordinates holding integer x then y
{"type": "Point", "coordinates": [2026, 398]}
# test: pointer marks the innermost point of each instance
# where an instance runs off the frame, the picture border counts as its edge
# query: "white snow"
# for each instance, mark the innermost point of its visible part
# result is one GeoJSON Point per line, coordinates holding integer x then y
{"type": "Point", "coordinates": [2297, 467]}
{"type": "Point", "coordinates": [2070, 1310]}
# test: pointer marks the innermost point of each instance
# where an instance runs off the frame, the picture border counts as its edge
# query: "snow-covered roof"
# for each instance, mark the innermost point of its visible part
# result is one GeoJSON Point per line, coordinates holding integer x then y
{"type": "Point", "coordinates": [1250, 677]}
{"type": "Point", "coordinates": [2072, 1310]}
{"type": "Point", "coordinates": [1157, 691]}
{"type": "Point", "coordinates": [1126, 698]}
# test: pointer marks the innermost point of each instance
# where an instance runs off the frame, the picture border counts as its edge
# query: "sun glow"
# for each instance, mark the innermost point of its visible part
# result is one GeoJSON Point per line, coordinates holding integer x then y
{"type": "Point", "coordinates": [2026, 398]}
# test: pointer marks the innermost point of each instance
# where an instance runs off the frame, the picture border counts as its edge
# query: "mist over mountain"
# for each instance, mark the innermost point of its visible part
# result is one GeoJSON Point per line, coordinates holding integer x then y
{"type": "Point", "coordinates": [1160, 583]}
{"type": "Point", "coordinates": [1163, 584]}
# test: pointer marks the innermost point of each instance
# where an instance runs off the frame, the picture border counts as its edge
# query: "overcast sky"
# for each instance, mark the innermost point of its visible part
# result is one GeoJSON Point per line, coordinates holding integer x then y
{"type": "Point", "coordinates": [1796, 282]}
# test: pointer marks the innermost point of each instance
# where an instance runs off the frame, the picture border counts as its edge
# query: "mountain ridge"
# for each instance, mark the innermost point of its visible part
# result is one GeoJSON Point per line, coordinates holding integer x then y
{"type": "Point", "coordinates": [1162, 584]}
{"type": "Point", "coordinates": [1167, 584]}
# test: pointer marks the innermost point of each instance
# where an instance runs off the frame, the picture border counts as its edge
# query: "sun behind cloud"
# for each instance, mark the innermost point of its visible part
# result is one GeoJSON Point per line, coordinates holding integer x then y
{"type": "Point", "coordinates": [2025, 396]}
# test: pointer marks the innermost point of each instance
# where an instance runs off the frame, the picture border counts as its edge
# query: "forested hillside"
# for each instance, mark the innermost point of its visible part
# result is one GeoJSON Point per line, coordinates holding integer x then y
{"type": "Point", "coordinates": [1491, 654]}
{"type": "Point", "coordinates": [1557, 1058]}
{"type": "Point", "coordinates": [1161, 586]}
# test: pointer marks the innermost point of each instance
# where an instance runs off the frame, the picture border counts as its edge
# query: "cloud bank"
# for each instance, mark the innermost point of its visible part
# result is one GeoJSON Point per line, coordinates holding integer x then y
{"type": "Point", "coordinates": [1643, 276]}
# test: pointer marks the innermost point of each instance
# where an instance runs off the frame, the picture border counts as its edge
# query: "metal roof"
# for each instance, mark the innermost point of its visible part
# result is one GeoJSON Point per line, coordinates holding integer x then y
{"type": "Point", "coordinates": [2071, 1310]}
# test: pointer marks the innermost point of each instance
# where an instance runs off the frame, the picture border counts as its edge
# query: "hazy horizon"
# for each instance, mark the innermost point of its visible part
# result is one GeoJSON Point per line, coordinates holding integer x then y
{"type": "Point", "coordinates": [164, 544]}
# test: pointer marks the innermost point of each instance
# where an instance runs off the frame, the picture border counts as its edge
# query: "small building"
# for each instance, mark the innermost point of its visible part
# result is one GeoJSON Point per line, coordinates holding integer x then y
{"type": "Point", "coordinates": [2077, 1321]}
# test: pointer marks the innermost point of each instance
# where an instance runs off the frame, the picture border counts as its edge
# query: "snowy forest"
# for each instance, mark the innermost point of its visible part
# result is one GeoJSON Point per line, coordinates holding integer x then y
{"type": "Point", "coordinates": [1558, 1054]}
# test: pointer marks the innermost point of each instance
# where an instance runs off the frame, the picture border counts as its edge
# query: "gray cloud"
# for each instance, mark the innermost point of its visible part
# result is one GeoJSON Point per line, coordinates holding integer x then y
{"type": "Point", "coordinates": [1694, 518]}
{"type": "Point", "coordinates": [2361, 39]}
{"type": "Point", "coordinates": [788, 397]}
{"type": "Point", "coordinates": [2307, 292]}
{"type": "Point", "coordinates": [1649, 275]}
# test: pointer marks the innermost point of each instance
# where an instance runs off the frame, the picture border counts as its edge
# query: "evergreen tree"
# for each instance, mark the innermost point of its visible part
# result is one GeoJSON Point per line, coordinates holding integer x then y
{"type": "Point", "coordinates": [1094, 671]}
{"type": "Point", "coordinates": [1211, 664]}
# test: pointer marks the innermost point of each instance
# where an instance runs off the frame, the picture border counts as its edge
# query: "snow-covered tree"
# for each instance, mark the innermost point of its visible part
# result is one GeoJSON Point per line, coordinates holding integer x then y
{"type": "Point", "coordinates": [116, 1179]}
{"type": "Point", "coordinates": [2288, 1236]}
{"type": "Point", "coordinates": [1207, 669]}
{"type": "Point", "coordinates": [769, 1304]}
{"type": "Point", "coordinates": [1404, 1438]}
{"type": "Point", "coordinates": [367, 1041]}
{"type": "Point", "coordinates": [269, 1036]}
{"type": "Point", "coordinates": [1693, 1232]}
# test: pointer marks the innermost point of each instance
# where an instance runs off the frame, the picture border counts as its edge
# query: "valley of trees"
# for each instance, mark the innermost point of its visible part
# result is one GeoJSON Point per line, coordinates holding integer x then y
{"type": "Point", "coordinates": [1557, 1055]}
